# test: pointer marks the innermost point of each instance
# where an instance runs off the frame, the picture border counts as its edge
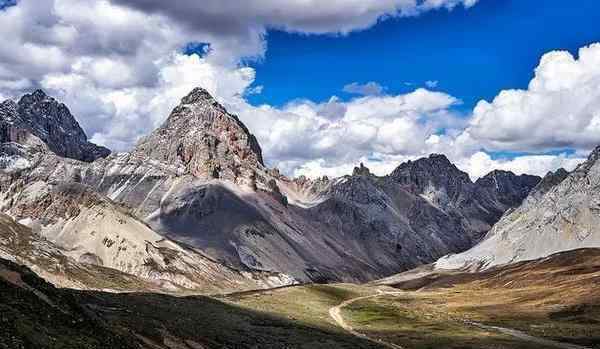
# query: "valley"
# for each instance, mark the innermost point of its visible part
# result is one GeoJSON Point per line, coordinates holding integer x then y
{"type": "Point", "coordinates": [449, 311]}
{"type": "Point", "coordinates": [197, 244]}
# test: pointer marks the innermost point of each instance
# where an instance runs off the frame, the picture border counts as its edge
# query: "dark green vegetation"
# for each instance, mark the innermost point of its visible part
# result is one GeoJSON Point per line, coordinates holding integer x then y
{"type": "Point", "coordinates": [34, 314]}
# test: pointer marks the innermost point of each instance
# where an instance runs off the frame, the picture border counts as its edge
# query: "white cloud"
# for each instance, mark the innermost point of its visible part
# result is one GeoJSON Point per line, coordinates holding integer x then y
{"type": "Point", "coordinates": [480, 163]}
{"type": "Point", "coordinates": [560, 109]}
{"type": "Point", "coordinates": [121, 116]}
{"type": "Point", "coordinates": [337, 133]}
{"type": "Point", "coordinates": [119, 67]}
{"type": "Point", "coordinates": [368, 89]}
{"type": "Point", "coordinates": [120, 70]}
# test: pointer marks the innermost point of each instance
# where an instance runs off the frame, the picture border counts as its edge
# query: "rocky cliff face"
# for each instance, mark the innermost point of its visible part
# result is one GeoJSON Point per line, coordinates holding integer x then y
{"type": "Point", "coordinates": [43, 117]}
{"type": "Point", "coordinates": [420, 211]}
{"type": "Point", "coordinates": [202, 139]}
{"type": "Point", "coordinates": [562, 213]}
{"type": "Point", "coordinates": [479, 205]}
{"type": "Point", "coordinates": [200, 179]}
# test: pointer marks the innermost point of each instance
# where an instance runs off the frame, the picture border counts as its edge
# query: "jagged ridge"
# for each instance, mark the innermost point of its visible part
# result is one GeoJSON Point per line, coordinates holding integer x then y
{"type": "Point", "coordinates": [51, 122]}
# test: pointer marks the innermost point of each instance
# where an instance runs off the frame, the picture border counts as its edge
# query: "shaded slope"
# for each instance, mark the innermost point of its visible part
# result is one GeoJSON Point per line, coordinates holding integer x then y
{"type": "Point", "coordinates": [35, 314]}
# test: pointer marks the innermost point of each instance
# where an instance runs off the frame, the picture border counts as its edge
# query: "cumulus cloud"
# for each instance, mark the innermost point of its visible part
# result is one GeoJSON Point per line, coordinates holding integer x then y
{"type": "Point", "coordinates": [370, 88]}
{"type": "Point", "coordinates": [241, 18]}
{"type": "Point", "coordinates": [107, 59]}
{"type": "Point", "coordinates": [121, 116]}
{"type": "Point", "coordinates": [120, 70]}
{"type": "Point", "coordinates": [480, 163]}
{"type": "Point", "coordinates": [560, 109]}
{"type": "Point", "coordinates": [341, 133]}
{"type": "Point", "coordinates": [119, 65]}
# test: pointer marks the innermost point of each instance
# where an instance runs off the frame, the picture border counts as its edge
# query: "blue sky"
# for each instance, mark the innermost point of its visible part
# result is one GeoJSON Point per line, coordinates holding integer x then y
{"type": "Point", "coordinates": [473, 53]}
{"type": "Point", "coordinates": [6, 3]}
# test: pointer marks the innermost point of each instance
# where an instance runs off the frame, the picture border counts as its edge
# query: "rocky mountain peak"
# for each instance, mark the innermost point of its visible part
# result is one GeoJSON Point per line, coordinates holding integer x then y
{"type": "Point", "coordinates": [361, 170]}
{"type": "Point", "coordinates": [560, 213]}
{"type": "Point", "coordinates": [435, 170]}
{"type": "Point", "coordinates": [500, 177]}
{"type": "Point", "coordinates": [35, 97]}
{"type": "Point", "coordinates": [550, 180]}
{"type": "Point", "coordinates": [584, 168]}
{"type": "Point", "coordinates": [198, 95]}
{"type": "Point", "coordinates": [507, 186]}
{"type": "Point", "coordinates": [204, 140]}
{"type": "Point", "coordinates": [45, 118]}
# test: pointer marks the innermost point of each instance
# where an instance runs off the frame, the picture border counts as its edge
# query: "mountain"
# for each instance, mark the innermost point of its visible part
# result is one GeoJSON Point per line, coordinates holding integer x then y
{"type": "Point", "coordinates": [41, 116]}
{"type": "Point", "coordinates": [197, 188]}
{"type": "Point", "coordinates": [201, 138]}
{"type": "Point", "coordinates": [560, 214]}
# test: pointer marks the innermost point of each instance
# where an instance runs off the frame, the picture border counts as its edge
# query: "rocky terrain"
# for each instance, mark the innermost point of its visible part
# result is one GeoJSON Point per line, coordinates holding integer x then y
{"type": "Point", "coordinates": [194, 200]}
{"type": "Point", "coordinates": [561, 214]}
{"type": "Point", "coordinates": [39, 115]}
{"type": "Point", "coordinates": [90, 254]}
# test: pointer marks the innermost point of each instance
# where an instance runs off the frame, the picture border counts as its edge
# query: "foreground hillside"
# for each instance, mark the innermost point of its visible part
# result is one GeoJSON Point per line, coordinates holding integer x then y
{"type": "Point", "coordinates": [549, 303]}
{"type": "Point", "coordinates": [35, 314]}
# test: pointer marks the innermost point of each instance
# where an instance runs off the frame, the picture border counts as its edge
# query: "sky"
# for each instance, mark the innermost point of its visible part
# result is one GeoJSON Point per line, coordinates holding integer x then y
{"type": "Point", "coordinates": [506, 84]}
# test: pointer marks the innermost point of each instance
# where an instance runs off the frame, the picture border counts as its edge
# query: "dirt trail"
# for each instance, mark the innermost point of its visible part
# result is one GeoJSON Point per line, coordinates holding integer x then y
{"type": "Point", "coordinates": [524, 336]}
{"type": "Point", "coordinates": [336, 315]}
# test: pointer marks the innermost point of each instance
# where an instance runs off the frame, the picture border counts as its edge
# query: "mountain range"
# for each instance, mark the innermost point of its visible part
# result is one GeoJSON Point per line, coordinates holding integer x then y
{"type": "Point", "coordinates": [421, 257]}
{"type": "Point", "coordinates": [194, 207]}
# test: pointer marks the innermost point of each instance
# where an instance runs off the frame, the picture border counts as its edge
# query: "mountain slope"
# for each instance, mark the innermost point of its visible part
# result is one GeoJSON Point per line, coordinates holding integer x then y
{"type": "Point", "coordinates": [35, 314]}
{"type": "Point", "coordinates": [72, 220]}
{"type": "Point", "coordinates": [20, 244]}
{"type": "Point", "coordinates": [561, 214]}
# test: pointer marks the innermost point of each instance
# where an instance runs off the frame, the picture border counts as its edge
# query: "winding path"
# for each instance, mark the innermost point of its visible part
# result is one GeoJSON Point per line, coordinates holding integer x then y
{"type": "Point", "coordinates": [336, 315]}
{"type": "Point", "coordinates": [524, 336]}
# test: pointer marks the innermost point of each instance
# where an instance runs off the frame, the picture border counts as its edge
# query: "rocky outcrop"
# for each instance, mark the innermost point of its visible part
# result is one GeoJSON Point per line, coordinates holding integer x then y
{"type": "Point", "coordinates": [508, 188]}
{"type": "Point", "coordinates": [550, 180]}
{"type": "Point", "coordinates": [562, 213]}
{"type": "Point", "coordinates": [478, 205]}
{"type": "Point", "coordinates": [422, 210]}
{"type": "Point", "coordinates": [42, 116]}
